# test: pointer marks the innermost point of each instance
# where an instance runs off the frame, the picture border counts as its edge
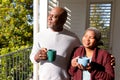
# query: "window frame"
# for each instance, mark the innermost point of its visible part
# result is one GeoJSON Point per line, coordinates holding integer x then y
{"type": "Point", "coordinates": [111, 19]}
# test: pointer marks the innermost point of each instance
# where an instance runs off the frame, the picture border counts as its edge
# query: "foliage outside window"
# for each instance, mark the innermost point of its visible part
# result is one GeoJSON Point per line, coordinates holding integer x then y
{"type": "Point", "coordinates": [15, 25]}
{"type": "Point", "coordinates": [15, 34]}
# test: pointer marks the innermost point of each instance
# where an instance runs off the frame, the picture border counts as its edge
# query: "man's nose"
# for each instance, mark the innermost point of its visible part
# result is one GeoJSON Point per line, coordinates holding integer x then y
{"type": "Point", "coordinates": [49, 17]}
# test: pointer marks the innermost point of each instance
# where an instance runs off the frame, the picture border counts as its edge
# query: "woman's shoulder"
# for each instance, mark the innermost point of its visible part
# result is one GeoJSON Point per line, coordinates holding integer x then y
{"type": "Point", "coordinates": [103, 52]}
{"type": "Point", "coordinates": [79, 49]}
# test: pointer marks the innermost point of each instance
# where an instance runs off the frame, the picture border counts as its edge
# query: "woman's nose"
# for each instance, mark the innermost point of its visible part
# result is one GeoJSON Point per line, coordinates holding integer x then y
{"type": "Point", "coordinates": [87, 38]}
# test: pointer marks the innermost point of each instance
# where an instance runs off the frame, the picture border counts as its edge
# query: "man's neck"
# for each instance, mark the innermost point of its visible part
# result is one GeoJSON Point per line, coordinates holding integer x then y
{"type": "Point", "coordinates": [57, 30]}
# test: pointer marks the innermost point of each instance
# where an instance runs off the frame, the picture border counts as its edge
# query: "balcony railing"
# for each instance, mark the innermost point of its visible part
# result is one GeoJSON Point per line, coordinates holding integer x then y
{"type": "Point", "coordinates": [16, 65]}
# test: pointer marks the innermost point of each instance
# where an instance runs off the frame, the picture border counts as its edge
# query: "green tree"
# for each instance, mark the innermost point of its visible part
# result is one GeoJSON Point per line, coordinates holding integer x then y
{"type": "Point", "coordinates": [15, 25]}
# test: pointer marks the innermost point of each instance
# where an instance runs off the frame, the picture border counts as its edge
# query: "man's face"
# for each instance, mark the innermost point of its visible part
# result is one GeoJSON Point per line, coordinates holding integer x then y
{"type": "Point", "coordinates": [54, 20]}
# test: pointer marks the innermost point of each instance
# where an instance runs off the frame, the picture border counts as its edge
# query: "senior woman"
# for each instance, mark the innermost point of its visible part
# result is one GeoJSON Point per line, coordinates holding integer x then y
{"type": "Point", "coordinates": [99, 66]}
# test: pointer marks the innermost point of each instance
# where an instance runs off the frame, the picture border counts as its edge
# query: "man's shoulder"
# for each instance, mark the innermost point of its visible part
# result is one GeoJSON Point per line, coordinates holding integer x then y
{"type": "Point", "coordinates": [42, 32]}
{"type": "Point", "coordinates": [70, 32]}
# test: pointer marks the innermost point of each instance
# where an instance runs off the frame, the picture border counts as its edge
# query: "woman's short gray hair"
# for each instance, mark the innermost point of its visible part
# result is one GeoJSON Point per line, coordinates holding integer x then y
{"type": "Point", "coordinates": [97, 35]}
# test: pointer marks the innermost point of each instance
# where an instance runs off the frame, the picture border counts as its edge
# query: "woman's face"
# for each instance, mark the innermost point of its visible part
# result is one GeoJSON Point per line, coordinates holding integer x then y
{"type": "Point", "coordinates": [89, 40]}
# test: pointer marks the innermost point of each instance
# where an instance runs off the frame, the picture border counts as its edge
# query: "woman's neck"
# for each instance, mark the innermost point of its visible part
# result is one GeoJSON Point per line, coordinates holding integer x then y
{"type": "Point", "coordinates": [89, 52]}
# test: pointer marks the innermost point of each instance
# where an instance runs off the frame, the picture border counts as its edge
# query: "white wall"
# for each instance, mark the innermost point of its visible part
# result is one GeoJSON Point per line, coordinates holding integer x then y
{"type": "Point", "coordinates": [116, 39]}
{"type": "Point", "coordinates": [77, 10]}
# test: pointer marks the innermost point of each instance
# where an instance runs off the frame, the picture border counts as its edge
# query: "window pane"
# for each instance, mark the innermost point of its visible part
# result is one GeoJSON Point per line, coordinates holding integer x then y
{"type": "Point", "coordinates": [100, 17]}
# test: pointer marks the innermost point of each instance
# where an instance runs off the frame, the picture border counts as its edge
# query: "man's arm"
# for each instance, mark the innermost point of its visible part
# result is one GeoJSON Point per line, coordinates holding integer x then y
{"type": "Point", "coordinates": [112, 60]}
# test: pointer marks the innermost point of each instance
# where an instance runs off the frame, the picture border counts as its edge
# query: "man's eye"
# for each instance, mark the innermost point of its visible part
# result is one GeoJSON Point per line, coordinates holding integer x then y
{"type": "Point", "coordinates": [55, 16]}
{"type": "Point", "coordinates": [92, 37]}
